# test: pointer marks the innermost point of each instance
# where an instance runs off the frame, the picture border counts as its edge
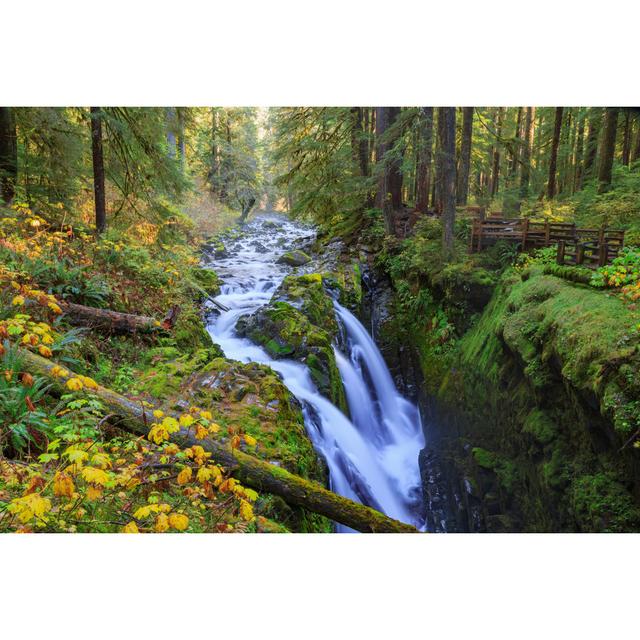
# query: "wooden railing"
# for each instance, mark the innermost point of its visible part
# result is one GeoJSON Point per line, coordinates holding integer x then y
{"type": "Point", "coordinates": [589, 247]}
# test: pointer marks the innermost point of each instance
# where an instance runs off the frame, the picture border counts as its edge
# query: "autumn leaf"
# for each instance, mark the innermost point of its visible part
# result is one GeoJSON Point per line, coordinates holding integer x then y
{"type": "Point", "coordinates": [63, 485]}
{"type": "Point", "coordinates": [185, 475]}
{"type": "Point", "coordinates": [95, 476]}
{"type": "Point", "coordinates": [178, 521]}
{"type": "Point", "coordinates": [132, 527]}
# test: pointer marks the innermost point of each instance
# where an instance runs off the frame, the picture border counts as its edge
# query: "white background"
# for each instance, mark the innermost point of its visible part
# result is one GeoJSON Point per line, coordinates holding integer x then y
{"type": "Point", "coordinates": [318, 53]}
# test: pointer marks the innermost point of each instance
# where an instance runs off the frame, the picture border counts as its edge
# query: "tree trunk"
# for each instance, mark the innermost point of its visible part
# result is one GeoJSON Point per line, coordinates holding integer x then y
{"type": "Point", "coordinates": [134, 417]}
{"type": "Point", "coordinates": [608, 148]}
{"type": "Point", "coordinates": [447, 130]}
{"type": "Point", "coordinates": [246, 209]}
{"type": "Point", "coordinates": [423, 169]}
{"type": "Point", "coordinates": [214, 169]}
{"type": "Point", "coordinates": [526, 153]}
{"type": "Point", "coordinates": [635, 151]}
{"type": "Point", "coordinates": [115, 321]}
{"type": "Point", "coordinates": [553, 159]}
{"type": "Point", "coordinates": [591, 149]}
{"type": "Point", "coordinates": [626, 140]}
{"type": "Point", "coordinates": [8, 154]}
{"type": "Point", "coordinates": [98, 169]}
{"type": "Point", "coordinates": [389, 195]}
{"type": "Point", "coordinates": [465, 156]}
{"type": "Point", "coordinates": [181, 139]}
{"type": "Point", "coordinates": [515, 150]}
{"type": "Point", "coordinates": [170, 118]}
{"type": "Point", "coordinates": [495, 169]}
{"type": "Point", "coordinates": [577, 178]}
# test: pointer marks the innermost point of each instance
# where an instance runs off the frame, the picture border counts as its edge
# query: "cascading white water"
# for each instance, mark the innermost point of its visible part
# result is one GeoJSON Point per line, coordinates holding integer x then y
{"type": "Point", "coordinates": [372, 458]}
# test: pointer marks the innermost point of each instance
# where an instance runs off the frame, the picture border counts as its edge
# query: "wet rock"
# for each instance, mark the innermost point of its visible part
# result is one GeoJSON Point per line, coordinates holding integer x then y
{"type": "Point", "coordinates": [295, 258]}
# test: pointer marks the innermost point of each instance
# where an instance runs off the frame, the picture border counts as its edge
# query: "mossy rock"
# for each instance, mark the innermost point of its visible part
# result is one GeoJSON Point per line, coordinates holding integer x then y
{"type": "Point", "coordinates": [540, 427]}
{"type": "Point", "coordinates": [189, 332]}
{"type": "Point", "coordinates": [295, 258]}
{"type": "Point", "coordinates": [207, 280]}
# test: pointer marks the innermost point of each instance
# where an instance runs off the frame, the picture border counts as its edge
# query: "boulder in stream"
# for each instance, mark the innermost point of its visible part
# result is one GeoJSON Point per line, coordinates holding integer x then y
{"type": "Point", "coordinates": [295, 258]}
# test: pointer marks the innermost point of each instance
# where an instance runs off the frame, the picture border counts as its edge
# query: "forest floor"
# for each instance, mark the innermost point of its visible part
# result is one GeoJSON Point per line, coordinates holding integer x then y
{"type": "Point", "coordinates": [65, 465]}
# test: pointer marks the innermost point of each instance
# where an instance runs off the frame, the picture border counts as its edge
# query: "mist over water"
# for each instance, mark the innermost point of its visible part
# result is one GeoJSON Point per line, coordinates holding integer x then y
{"type": "Point", "coordinates": [373, 457]}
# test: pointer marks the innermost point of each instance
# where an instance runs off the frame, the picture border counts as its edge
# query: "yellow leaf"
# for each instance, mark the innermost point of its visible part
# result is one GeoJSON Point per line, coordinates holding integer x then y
{"type": "Point", "coordinates": [77, 456]}
{"type": "Point", "coordinates": [94, 493]}
{"type": "Point", "coordinates": [185, 475]}
{"type": "Point", "coordinates": [246, 510]}
{"type": "Point", "coordinates": [95, 476]}
{"type": "Point", "coordinates": [33, 505]}
{"type": "Point", "coordinates": [17, 301]}
{"type": "Point", "coordinates": [162, 523]}
{"type": "Point", "coordinates": [203, 474]}
{"type": "Point", "coordinates": [158, 413]}
{"type": "Point", "coordinates": [132, 527]}
{"type": "Point", "coordinates": [186, 420]}
{"type": "Point", "coordinates": [74, 384]}
{"type": "Point", "coordinates": [201, 432]}
{"type": "Point", "coordinates": [63, 485]}
{"type": "Point", "coordinates": [206, 415]}
{"type": "Point", "coordinates": [101, 460]}
{"type": "Point", "coordinates": [178, 521]}
{"type": "Point", "coordinates": [250, 440]}
{"type": "Point", "coordinates": [45, 352]}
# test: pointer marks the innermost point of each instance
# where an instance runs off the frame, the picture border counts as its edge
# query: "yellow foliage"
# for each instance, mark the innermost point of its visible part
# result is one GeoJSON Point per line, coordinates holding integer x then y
{"type": "Point", "coordinates": [185, 475]}
{"type": "Point", "coordinates": [132, 527]}
{"type": "Point", "coordinates": [74, 384]}
{"type": "Point", "coordinates": [162, 523]}
{"type": "Point", "coordinates": [246, 510]}
{"type": "Point", "coordinates": [186, 420]}
{"type": "Point", "coordinates": [95, 476]}
{"type": "Point", "coordinates": [63, 485]}
{"type": "Point", "coordinates": [178, 521]}
{"type": "Point", "coordinates": [33, 505]}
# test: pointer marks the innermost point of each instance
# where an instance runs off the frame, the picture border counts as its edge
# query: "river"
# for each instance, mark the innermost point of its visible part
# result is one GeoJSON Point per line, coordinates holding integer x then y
{"type": "Point", "coordinates": [373, 456]}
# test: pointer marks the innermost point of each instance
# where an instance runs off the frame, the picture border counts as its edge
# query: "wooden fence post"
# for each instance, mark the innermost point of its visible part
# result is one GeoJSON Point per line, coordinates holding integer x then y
{"type": "Point", "coordinates": [525, 233]}
{"type": "Point", "coordinates": [560, 253]}
{"type": "Point", "coordinates": [579, 253]}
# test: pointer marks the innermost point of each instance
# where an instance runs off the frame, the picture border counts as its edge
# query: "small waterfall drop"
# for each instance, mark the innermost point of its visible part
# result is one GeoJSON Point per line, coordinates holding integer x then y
{"type": "Point", "coordinates": [372, 458]}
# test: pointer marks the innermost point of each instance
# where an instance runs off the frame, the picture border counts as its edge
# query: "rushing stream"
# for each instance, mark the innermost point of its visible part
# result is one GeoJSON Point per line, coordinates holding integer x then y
{"type": "Point", "coordinates": [372, 458]}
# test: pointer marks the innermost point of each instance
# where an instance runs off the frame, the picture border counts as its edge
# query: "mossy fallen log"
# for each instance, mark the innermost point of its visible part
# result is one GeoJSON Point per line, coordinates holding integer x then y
{"type": "Point", "coordinates": [115, 321]}
{"type": "Point", "coordinates": [134, 417]}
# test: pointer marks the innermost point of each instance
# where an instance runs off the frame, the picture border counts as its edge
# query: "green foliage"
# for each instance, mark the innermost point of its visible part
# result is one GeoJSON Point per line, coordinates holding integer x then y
{"type": "Point", "coordinates": [624, 270]}
{"type": "Point", "coordinates": [21, 422]}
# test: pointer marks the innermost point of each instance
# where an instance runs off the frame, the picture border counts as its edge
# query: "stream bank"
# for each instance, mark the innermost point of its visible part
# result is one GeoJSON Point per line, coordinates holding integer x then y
{"type": "Point", "coordinates": [529, 411]}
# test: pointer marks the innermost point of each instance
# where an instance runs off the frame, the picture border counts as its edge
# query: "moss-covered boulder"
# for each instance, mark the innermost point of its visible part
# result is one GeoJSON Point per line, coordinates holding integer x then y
{"type": "Point", "coordinates": [189, 333]}
{"type": "Point", "coordinates": [299, 323]}
{"type": "Point", "coordinates": [295, 258]}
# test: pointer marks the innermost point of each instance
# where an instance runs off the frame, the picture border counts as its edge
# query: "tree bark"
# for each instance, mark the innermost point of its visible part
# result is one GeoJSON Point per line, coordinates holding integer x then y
{"type": "Point", "coordinates": [626, 140]}
{"type": "Point", "coordinates": [591, 149]}
{"type": "Point", "coordinates": [214, 168]}
{"type": "Point", "coordinates": [526, 153]}
{"type": "Point", "coordinates": [635, 150]}
{"type": "Point", "coordinates": [389, 194]}
{"type": "Point", "coordinates": [423, 169]}
{"type": "Point", "coordinates": [577, 178]}
{"type": "Point", "coordinates": [8, 154]}
{"type": "Point", "coordinates": [608, 148]}
{"type": "Point", "coordinates": [115, 321]}
{"type": "Point", "coordinates": [553, 159]}
{"type": "Point", "coordinates": [465, 156]}
{"type": "Point", "coordinates": [132, 416]}
{"type": "Point", "coordinates": [98, 169]}
{"type": "Point", "coordinates": [447, 130]}
{"type": "Point", "coordinates": [181, 138]}
{"type": "Point", "coordinates": [495, 169]}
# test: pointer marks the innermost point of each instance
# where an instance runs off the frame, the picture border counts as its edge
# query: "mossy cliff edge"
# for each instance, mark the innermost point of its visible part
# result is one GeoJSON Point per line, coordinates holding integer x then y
{"type": "Point", "coordinates": [533, 407]}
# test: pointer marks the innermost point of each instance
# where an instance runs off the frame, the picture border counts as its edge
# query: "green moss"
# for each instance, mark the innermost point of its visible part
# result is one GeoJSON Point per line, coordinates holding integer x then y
{"type": "Point", "coordinates": [206, 279]}
{"type": "Point", "coordinates": [300, 323]}
{"type": "Point", "coordinates": [485, 459]}
{"type": "Point", "coordinates": [540, 426]}
{"type": "Point", "coordinates": [601, 503]}
{"type": "Point", "coordinates": [189, 333]}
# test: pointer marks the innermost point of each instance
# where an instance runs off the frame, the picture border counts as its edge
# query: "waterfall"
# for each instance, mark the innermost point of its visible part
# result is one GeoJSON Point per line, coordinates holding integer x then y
{"type": "Point", "coordinates": [373, 457]}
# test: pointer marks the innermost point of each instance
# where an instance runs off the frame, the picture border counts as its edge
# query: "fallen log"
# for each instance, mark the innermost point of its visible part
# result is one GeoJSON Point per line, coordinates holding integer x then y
{"type": "Point", "coordinates": [262, 476]}
{"type": "Point", "coordinates": [115, 321]}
